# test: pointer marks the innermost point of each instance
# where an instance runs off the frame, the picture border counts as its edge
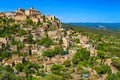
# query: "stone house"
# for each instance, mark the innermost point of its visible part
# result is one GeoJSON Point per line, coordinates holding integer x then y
{"type": "Point", "coordinates": [10, 14]}
{"type": "Point", "coordinates": [84, 39]}
{"type": "Point", "coordinates": [32, 59]}
{"type": "Point", "coordinates": [14, 60]}
{"type": "Point", "coordinates": [27, 28]}
{"type": "Point", "coordinates": [8, 62]}
{"type": "Point", "coordinates": [20, 38]}
{"type": "Point", "coordinates": [21, 74]}
{"type": "Point", "coordinates": [13, 47]}
{"type": "Point", "coordinates": [17, 59]}
{"type": "Point", "coordinates": [3, 40]}
{"type": "Point", "coordinates": [37, 33]}
{"type": "Point", "coordinates": [66, 43]}
{"type": "Point", "coordinates": [71, 51]}
{"type": "Point", "coordinates": [41, 17]}
{"type": "Point", "coordinates": [52, 34]}
{"type": "Point", "coordinates": [2, 14]}
{"type": "Point", "coordinates": [21, 11]}
{"type": "Point", "coordinates": [93, 52]}
{"type": "Point", "coordinates": [35, 19]}
{"type": "Point", "coordinates": [24, 50]}
{"type": "Point", "coordinates": [31, 11]}
{"type": "Point", "coordinates": [20, 18]}
{"type": "Point", "coordinates": [50, 18]}
{"type": "Point", "coordinates": [45, 24]}
{"type": "Point", "coordinates": [108, 61]}
{"type": "Point", "coordinates": [34, 50]}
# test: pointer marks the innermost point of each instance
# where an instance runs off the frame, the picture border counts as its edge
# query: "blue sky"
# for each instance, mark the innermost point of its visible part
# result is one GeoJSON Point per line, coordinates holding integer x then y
{"type": "Point", "coordinates": [70, 10]}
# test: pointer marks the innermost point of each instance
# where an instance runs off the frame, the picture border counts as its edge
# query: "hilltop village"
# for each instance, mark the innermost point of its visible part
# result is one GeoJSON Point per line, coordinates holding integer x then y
{"type": "Point", "coordinates": [36, 45]}
{"type": "Point", "coordinates": [21, 15]}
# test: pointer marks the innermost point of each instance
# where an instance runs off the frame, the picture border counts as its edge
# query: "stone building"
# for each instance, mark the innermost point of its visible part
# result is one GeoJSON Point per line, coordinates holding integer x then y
{"type": "Point", "coordinates": [50, 18]}
{"type": "Point", "coordinates": [20, 18]}
{"type": "Point", "coordinates": [21, 14]}
{"type": "Point", "coordinates": [3, 40]}
{"type": "Point", "coordinates": [21, 11]}
{"type": "Point", "coordinates": [32, 12]}
{"type": "Point", "coordinates": [10, 14]}
{"type": "Point", "coordinates": [2, 14]}
{"type": "Point", "coordinates": [35, 20]}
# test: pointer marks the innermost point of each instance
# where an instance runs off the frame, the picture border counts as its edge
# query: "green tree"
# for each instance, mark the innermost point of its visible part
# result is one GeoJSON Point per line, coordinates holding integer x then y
{"type": "Point", "coordinates": [19, 67]}
{"type": "Point", "coordinates": [8, 68]}
{"type": "Point", "coordinates": [29, 21]}
{"type": "Point", "coordinates": [116, 62]}
{"type": "Point", "coordinates": [81, 55]}
{"type": "Point", "coordinates": [56, 69]}
{"type": "Point", "coordinates": [48, 53]}
{"type": "Point", "coordinates": [45, 41]}
{"type": "Point", "coordinates": [56, 51]}
{"type": "Point", "coordinates": [53, 77]}
{"type": "Point", "coordinates": [67, 63]}
{"type": "Point", "coordinates": [103, 69]}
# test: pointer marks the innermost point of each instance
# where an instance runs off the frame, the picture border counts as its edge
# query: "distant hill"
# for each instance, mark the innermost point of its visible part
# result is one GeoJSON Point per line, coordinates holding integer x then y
{"type": "Point", "coordinates": [109, 26]}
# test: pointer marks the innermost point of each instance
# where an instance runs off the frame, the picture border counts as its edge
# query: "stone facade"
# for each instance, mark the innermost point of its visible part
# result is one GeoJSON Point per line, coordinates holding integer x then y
{"type": "Point", "coordinates": [2, 15]}
{"type": "Point", "coordinates": [31, 11]}
{"type": "Point", "coordinates": [22, 11]}
{"type": "Point", "coordinates": [3, 40]}
{"type": "Point", "coordinates": [20, 18]}
{"type": "Point", "coordinates": [10, 14]}
{"type": "Point", "coordinates": [50, 18]}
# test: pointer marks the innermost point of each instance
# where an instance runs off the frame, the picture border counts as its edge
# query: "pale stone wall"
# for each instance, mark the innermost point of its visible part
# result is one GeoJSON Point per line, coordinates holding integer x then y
{"type": "Point", "coordinates": [20, 11]}
{"type": "Point", "coordinates": [51, 18]}
{"type": "Point", "coordinates": [35, 20]}
{"type": "Point", "coordinates": [3, 40]}
{"type": "Point", "coordinates": [20, 18]}
{"type": "Point", "coordinates": [27, 12]}
{"type": "Point", "coordinates": [41, 17]}
{"type": "Point", "coordinates": [10, 14]}
{"type": "Point", "coordinates": [31, 12]}
{"type": "Point", "coordinates": [34, 12]}
{"type": "Point", "coordinates": [2, 15]}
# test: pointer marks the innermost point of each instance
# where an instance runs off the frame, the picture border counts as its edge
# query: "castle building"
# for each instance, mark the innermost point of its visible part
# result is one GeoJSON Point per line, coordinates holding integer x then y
{"type": "Point", "coordinates": [32, 12]}
{"type": "Point", "coordinates": [20, 11]}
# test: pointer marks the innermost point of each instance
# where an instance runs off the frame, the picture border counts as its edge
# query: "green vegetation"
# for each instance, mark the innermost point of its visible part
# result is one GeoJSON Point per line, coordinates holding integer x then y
{"type": "Point", "coordinates": [27, 40]}
{"type": "Point", "coordinates": [29, 21]}
{"type": "Point", "coordinates": [116, 63]}
{"type": "Point", "coordinates": [106, 43]}
{"type": "Point", "coordinates": [45, 41]}
{"type": "Point", "coordinates": [103, 69]}
{"type": "Point", "coordinates": [81, 55]}
{"type": "Point", "coordinates": [6, 73]}
{"type": "Point", "coordinates": [51, 77]}
{"type": "Point", "coordinates": [67, 63]}
{"type": "Point", "coordinates": [51, 53]}
{"type": "Point", "coordinates": [7, 31]}
{"type": "Point", "coordinates": [27, 67]}
{"type": "Point", "coordinates": [61, 71]}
